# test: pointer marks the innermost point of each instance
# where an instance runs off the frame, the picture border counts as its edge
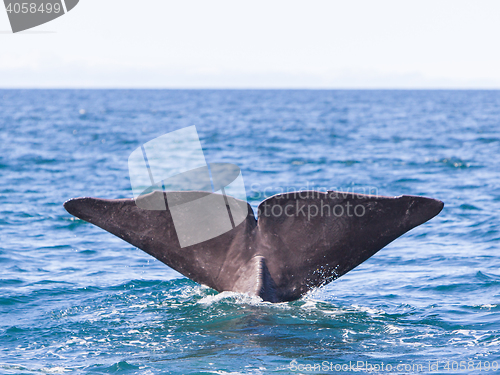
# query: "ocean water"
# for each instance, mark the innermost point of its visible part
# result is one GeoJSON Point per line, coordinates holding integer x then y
{"type": "Point", "coordinates": [76, 299]}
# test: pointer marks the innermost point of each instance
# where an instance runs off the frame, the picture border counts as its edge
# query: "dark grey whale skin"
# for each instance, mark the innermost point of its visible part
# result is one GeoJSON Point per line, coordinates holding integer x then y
{"type": "Point", "coordinates": [281, 256]}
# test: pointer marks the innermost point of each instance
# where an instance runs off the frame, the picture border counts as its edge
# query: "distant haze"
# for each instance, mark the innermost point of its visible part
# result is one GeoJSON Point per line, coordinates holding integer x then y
{"type": "Point", "coordinates": [258, 44]}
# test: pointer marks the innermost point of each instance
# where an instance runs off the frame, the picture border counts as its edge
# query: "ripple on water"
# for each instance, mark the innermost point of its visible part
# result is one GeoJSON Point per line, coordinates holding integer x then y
{"type": "Point", "coordinates": [75, 299]}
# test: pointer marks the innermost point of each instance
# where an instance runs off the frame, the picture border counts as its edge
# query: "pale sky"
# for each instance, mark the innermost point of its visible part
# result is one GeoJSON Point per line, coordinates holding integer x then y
{"type": "Point", "coordinates": [259, 44]}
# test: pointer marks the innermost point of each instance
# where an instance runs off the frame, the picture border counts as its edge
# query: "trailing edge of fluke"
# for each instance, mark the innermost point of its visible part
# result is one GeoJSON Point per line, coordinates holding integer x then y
{"type": "Point", "coordinates": [301, 240]}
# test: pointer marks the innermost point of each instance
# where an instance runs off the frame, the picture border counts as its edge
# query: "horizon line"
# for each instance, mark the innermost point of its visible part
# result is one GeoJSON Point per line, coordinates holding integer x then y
{"type": "Point", "coordinates": [254, 88]}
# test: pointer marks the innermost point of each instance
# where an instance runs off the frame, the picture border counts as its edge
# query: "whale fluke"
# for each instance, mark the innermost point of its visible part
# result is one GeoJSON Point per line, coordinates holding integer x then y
{"type": "Point", "coordinates": [302, 240]}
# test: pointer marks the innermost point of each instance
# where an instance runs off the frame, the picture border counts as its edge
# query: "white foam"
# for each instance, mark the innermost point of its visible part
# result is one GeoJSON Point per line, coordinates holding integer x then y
{"type": "Point", "coordinates": [54, 370]}
{"type": "Point", "coordinates": [233, 297]}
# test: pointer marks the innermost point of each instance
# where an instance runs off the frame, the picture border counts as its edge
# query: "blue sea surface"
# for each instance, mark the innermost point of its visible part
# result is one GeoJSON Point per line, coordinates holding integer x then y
{"type": "Point", "coordinates": [76, 299]}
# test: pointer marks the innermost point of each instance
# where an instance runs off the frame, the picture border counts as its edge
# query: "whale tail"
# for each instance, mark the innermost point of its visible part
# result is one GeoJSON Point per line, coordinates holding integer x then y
{"type": "Point", "coordinates": [301, 240]}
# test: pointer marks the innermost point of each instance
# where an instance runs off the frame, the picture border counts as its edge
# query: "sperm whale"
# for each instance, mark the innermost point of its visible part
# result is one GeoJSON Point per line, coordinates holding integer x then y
{"type": "Point", "coordinates": [301, 240]}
